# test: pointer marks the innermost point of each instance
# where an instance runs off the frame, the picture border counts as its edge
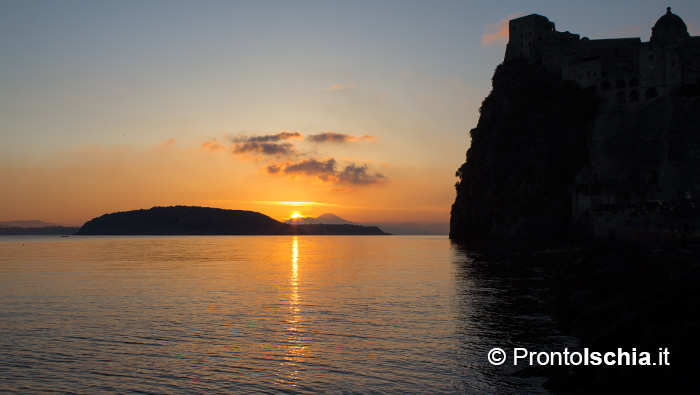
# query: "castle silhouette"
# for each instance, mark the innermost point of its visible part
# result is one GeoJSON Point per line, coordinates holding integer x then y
{"type": "Point", "coordinates": [622, 70]}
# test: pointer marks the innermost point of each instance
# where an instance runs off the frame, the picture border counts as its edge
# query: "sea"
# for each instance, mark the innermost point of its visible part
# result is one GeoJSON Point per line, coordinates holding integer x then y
{"type": "Point", "coordinates": [261, 314]}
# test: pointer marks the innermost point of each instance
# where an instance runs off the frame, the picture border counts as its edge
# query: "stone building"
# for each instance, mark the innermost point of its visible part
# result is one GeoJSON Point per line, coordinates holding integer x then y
{"type": "Point", "coordinates": [623, 70]}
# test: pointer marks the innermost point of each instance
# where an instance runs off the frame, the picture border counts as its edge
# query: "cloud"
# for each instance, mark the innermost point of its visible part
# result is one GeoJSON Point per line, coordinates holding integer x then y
{"type": "Point", "coordinates": [325, 171]}
{"type": "Point", "coordinates": [332, 137]}
{"type": "Point", "coordinates": [340, 87]}
{"type": "Point", "coordinates": [168, 143]}
{"type": "Point", "coordinates": [497, 33]}
{"type": "Point", "coordinates": [266, 138]}
{"type": "Point", "coordinates": [282, 158]}
{"type": "Point", "coordinates": [266, 144]}
{"type": "Point", "coordinates": [212, 146]}
{"type": "Point", "coordinates": [270, 149]}
{"type": "Point", "coordinates": [358, 175]}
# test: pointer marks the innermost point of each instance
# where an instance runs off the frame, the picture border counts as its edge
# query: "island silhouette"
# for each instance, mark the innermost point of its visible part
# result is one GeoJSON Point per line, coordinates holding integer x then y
{"type": "Point", "coordinates": [192, 220]}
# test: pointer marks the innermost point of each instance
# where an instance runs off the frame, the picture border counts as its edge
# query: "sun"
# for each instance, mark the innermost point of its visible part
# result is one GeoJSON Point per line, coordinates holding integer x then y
{"type": "Point", "coordinates": [296, 215]}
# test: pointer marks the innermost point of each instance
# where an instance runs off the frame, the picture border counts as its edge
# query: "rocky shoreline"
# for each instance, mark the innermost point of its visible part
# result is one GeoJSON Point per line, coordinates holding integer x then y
{"type": "Point", "coordinates": [614, 295]}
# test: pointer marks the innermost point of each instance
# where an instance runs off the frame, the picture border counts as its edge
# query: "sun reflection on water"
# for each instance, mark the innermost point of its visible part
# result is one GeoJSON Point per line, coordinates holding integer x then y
{"type": "Point", "coordinates": [295, 347]}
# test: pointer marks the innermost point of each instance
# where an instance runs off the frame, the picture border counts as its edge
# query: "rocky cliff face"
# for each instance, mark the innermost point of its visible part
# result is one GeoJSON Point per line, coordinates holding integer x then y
{"type": "Point", "coordinates": [548, 161]}
{"type": "Point", "coordinates": [520, 168]}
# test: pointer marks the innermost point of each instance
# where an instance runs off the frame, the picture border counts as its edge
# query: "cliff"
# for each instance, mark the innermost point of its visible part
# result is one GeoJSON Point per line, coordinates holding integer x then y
{"type": "Point", "coordinates": [549, 161]}
{"type": "Point", "coordinates": [183, 220]}
{"type": "Point", "coordinates": [585, 138]}
{"type": "Point", "coordinates": [525, 150]}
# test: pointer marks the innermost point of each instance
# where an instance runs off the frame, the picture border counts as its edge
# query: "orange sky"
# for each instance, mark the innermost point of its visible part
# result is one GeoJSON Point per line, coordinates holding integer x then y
{"type": "Point", "coordinates": [73, 186]}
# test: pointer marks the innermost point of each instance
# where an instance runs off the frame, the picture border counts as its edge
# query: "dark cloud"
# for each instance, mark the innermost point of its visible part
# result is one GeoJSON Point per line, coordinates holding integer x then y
{"type": "Point", "coordinates": [282, 157]}
{"type": "Point", "coordinates": [333, 137]}
{"type": "Point", "coordinates": [266, 144]}
{"type": "Point", "coordinates": [312, 166]}
{"type": "Point", "coordinates": [270, 149]}
{"type": "Point", "coordinates": [275, 168]}
{"type": "Point", "coordinates": [358, 175]}
{"type": "Point", "coordinates": [265, 138]}
{"type": "Point", "coordinates": [325, 170]}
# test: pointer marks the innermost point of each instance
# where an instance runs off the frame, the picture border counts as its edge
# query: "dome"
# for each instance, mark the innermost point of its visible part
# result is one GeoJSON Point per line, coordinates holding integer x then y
{"type": "Point", "coordinates": [669, 28]}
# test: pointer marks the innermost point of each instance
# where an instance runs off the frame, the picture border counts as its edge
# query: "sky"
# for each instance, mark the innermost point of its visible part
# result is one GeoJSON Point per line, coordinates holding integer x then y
{"type": "Point", "coordinates": [359, 108]}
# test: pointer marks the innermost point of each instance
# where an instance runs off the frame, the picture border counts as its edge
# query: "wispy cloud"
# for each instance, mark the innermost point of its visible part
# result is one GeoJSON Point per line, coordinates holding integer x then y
{"type": "Point", "coordinates": [168, 143]}
{"type": "Point", "coordinates": [333, 137]}
{"type": "Point", "coordinates": [497, 32]}
{"type": "Point", "coordinates": [212, 146]}
{"type": "Point", "coordinates": [340, 87]}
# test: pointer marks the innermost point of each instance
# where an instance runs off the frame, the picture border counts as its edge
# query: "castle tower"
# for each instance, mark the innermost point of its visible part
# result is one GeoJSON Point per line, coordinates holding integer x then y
{"type": "Point", "coordinates": [525, 34]}
{"type": "Point", "coordinates": [662, 60]}
{"type": "Point", "coordinates": [668, 30]}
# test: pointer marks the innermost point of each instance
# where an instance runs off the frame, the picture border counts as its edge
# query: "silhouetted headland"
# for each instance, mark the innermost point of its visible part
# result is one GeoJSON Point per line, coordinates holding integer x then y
{"type": "Point", "coordinates": [581, 142]}
{"type": "Point", "coordinates": [582, 138]}
{"type": "Point", "coordinates": [185, 220]}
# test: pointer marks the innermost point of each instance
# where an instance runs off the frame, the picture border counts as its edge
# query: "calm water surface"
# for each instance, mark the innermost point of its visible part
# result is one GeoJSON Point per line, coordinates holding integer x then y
{"type": "Point", "coordinates": [277, 314]}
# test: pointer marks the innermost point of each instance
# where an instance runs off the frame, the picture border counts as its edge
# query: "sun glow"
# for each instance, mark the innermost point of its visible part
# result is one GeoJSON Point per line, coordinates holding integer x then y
{"type": "Point", "coordinates": [296, 215]}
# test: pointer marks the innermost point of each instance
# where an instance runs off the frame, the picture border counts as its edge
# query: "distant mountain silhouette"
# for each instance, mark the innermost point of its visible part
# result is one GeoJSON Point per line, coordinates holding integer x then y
{"type": "Point", "coordinates": [395, 228]}
{"type": "Point", "coordinates": [43, 230]}
{"type": "Point", "coordinates": [184, 220]}
{"type": "Point", "coordinates": [33, 223]}
{"type": "Point", "coordinates": [328, 218]}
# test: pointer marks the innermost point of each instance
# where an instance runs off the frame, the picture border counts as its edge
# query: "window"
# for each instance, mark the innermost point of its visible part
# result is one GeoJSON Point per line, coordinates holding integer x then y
{"type": "Point", "coordinates": [605, 86]}
{"type": "Point", "coordinates": [634, 82]}
{"type": "Point", "coordinates": [620, 84]}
